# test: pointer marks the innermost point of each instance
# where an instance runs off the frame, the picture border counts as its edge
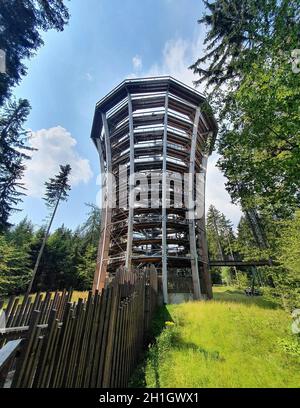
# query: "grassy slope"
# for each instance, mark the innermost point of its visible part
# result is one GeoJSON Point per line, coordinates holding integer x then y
{"type": "Point", "coordinates": [232, 341]}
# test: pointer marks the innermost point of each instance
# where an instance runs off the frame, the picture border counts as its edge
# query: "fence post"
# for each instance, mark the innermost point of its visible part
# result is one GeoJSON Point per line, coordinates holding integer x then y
{"type": "Point", "coordinates": [24, 355]}
{"type": "Point", "coordinates": [111, 335]}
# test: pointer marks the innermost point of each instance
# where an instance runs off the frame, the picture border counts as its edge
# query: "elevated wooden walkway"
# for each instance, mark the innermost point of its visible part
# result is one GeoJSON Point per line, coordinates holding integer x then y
{"type": "Point", "coordinates": [263, 262]}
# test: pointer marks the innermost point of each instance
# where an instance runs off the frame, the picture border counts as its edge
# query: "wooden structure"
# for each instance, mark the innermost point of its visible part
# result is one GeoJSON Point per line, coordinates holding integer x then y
{"type": "Point", "coordinates": [237, 263]}
{"type": "Point", "coordinates": [162, 130]}
{"type": "Point", "coordinates": [95, 342]}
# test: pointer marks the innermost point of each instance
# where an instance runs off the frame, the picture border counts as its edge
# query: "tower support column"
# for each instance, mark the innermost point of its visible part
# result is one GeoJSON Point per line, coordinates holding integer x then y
{"type": "Point", "coordinates": [164, 205]}
{"type": "Point", "coordinates": [192, 195]}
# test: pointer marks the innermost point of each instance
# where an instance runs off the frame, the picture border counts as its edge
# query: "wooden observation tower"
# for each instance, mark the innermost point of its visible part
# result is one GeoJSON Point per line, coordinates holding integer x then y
{"type": "Point", "coordinates": [153, 136]}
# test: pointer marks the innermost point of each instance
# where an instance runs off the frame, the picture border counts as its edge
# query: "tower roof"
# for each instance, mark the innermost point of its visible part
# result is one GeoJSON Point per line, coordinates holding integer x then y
{"type": "Point", "coordinates": [151, 85]}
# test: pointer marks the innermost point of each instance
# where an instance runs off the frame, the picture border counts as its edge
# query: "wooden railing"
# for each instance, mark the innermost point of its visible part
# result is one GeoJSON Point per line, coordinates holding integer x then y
{"type": "Point", "coordinates": [94, 342]}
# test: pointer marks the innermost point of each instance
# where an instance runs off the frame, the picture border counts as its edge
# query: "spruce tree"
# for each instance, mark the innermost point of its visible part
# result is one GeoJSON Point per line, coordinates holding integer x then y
{"type": "Point", "coordinates": [249, 49]}
{"type": "Point", "coordinates": [221, 240]}
{"type": "Point", "coordinates": [239, 31]}
{"type": "Point", "coordinates": [13, 147]}
{"type": "Point", "coordinates": [220, 234]}
{"type": "Point", "coordinates": [14, 268]}
{"type": "Point", "coordinates": [20, 35]}
{"type": "Point", "coordinates": [90, 229]}
{"type": "Point", "coordinates": [56, 190]}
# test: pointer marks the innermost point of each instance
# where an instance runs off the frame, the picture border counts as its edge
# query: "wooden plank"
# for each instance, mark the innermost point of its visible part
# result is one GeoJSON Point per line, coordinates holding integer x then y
{"type": "Point", "coordinates": [24, 319]}
{"type": "Point", "coordinates": [73, 355]}
{"type": "Point", "coordinates": [22, 360]}
{"type": "Point", "coordinates": [50, 364]}
{"type": "Point", "coordinates": [44, 307]}
{"type": "Point", "coordinates": [62, 346]}
{"type": "Point", "coordinates": [125, 348]}
{"type": "Point", "coordinates": [9, 306]}
{"type": "Point", "coordinates": [84, 340]}
{"type": "Point", "coordinates": [16, 315]}
{"type": "Point", "coordinates": [99, 336]}
{"type": "Point", "coordinates": [44, 360]}
{"type": "Point", "coordinates": [116, 348]}
{"type": "Point", "coordinates": [108, 292]}
{"type": "Point", "coordinates": [120, 358]}
{"type": "Point", "coordinates": [23, 307]}
{"type": "Point", "coordinates": [93, 341]}
{"type": "Point", "coordinates": [32, 359]}
{"type": "Point", "coordinates": [111, 335]}
{"type": "Point", "coordinates": [10, 318]}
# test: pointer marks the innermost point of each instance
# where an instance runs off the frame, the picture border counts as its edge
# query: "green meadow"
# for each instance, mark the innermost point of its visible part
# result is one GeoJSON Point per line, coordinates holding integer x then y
{"type": "Point", "coordinates": [231, 341]}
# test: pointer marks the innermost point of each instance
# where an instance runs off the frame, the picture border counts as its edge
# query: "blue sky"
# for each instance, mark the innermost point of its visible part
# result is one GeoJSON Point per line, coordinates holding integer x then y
{"type": "Point", "coordinates": [105, 42]}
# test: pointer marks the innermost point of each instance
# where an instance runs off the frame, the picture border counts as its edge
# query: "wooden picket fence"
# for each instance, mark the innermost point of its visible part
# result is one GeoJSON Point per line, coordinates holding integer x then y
{"type": "Point", "coordinates": [95, 342]}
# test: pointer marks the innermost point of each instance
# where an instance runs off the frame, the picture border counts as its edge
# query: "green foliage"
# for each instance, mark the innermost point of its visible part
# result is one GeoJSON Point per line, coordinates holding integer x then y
{"type": "Point", "coordinates": [260, 138]}
{"type": "Point", "coordinates": [242, 280]}
{"type": "Point", "coordinates": [21, 26]}
{"type": "Point", "coordinates": [14, 268]}
{"type": "Point", "coordinates": [289, 245]}
{"type": "Point", "coordinates": [13, 146]}
{"type": "Point", "coordinates": [69, 258]}
{"type": "Point", "coordinates": [249, 47]}
{"type": "Point", "coordinates": [290, 346]}
{"type": "Point", "coordinates": [57, 187]}
{"type": "Point", "coordinates": [220, 234]}
{"type": "Point", "coordinates": [221, 238]}
{"type": "Point", "coordinates": [57, 267]}
{"type": "Point", "coordinates": [281, 281]}
{"type": "Point", "coordinates": [56, 190]}
{"type": "Point", "coordinates": [21, 235]}
{"type": "Point", "coordinates": [287, 277]}
{"type": "Point", "coordinates": [90, 229]}
{"type": "Point", "coordinates": [226, 275]}
{"type": "Point", "coordinates": [241, 30]}
{"type": "Point", "coordinates": [86, 267]}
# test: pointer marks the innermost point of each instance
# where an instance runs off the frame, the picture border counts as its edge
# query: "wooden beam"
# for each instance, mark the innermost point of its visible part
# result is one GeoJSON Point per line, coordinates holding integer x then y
{"type": "Point", "coordinates": [131, 188]}
{"type": "Point", "coordinates": [192, 225]}
{"type": "Point", "coordinates": [164, 209]}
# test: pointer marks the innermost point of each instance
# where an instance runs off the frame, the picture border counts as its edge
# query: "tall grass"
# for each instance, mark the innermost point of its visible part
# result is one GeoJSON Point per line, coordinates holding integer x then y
{"type": "Point", "coordinates": [232, 341]}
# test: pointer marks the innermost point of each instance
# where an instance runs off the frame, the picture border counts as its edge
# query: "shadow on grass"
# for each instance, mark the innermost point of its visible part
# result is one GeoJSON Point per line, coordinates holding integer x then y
{"type": "Point", "coordinates": [238, 296]}
{"type": "Point", "coordinates": [170, 339]}
{"type": "Point", "coordinates": [208, 355]}
{"type": "Point", "coordinates": [138, 379]}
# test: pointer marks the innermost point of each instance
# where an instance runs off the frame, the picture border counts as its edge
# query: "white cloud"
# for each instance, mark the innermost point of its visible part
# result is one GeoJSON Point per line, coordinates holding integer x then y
{"type": "Point", "coordinates": [137, 63]}
{"type": "Point", "coordinates": [88, 76]}
{"type": "Point", "coordinates": [178, 54]}
{"type": "Point", "coordinates": [55, 146]}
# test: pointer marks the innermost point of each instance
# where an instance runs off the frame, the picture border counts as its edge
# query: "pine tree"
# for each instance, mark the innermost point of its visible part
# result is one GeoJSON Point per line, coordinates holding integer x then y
{"type": "Point", "coordinates": [220, 234]}
{"type": "Point", "coordinates": [56, 190]}
{"type": "Point", "coordinates": [14, 268]}
{"type": "Point", "coordinates": [21, 25]}
{"type": "Point", "coordinates": [57, 268]}
{"type": "Point", "coordinates": [249, 51]}
{"type": "Point", "coordinates": [13, 147]}
{"type": "Point", "coordinates": [21, 234]}
{"type": "Point", "coordinates": [86, 267]}
{"type": "Point", "coordinates": [220, 239]}
{"type": "Point", "coordinates": [90, 229]}
{"type": "Point", "coordinates": [241, 30]}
